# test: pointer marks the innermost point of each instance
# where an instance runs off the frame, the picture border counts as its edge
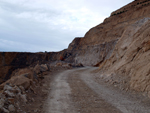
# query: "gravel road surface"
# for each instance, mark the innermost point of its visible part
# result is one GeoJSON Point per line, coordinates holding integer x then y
{"type": "Point", "coordinates": [78, 91]}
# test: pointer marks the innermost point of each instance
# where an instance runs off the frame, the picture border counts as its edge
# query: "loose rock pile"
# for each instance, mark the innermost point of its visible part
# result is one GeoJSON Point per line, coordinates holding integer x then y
{"type": "Point", "coordinates": [22, 90]}
{"type": "Point", "coordinates": [12, 97]}
{"type": "Point", "coordinates": [13, 93]}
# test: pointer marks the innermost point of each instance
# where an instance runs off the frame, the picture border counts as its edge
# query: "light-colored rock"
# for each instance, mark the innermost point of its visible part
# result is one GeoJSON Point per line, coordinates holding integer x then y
{"type": "Point", "coordinates": [59, 64]}
{"type": "Point", "coordinates": [20, 81]}
{"type": "Point", "coordinates": [11, 108]}
{"type": "Point", "coordinates": [9, 94]}
{"type": "Point", "coordinates": [17, 89]}
{"type": "Point", "coordinates": [22, 89]}
{"type": "Point", "coordinates": [44, 67]}
{"type": "Point", "coordinates": [8, 87]}
{"type": "Point", "coordinates": [2, 101]}
{"type": "Point", "coordinates": [40, 68]}
{"type": "Point", "coordinates": [5, 110]}
{"type": "Point", "coordinates": [37, 69]}
{"type": "Point", "coordinates": [11, 89]}
{"type": "Point", "coordinates": [27, 72]}
{"type": "Point", "coordinates": [23, 97]}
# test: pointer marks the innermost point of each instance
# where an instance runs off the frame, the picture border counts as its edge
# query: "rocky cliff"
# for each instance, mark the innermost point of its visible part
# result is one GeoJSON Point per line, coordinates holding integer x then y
{"type": "Point", "coordinates": [131, 56]}
{"type": "Point", "coordinates": [99, 42]}
{"type": "Point", "coordinates": [120, 45]}
{"type": "Point", "coordinates": [91, 55]}
{"type": "Point", "coordinates": [10, 61]}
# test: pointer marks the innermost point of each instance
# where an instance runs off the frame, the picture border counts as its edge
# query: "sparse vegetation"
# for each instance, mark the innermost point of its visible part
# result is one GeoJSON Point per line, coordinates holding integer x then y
{"type": "Point", "coordinates": [138, 3]}
{"type": "Point", "coordinates": [143, 2]}
{"type": "Point", "coordinates": [119, 12]}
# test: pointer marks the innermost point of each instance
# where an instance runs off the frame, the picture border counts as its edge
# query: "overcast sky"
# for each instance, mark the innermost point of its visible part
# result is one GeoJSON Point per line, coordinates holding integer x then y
{"type": "Point", "coordinates": [49, 25]}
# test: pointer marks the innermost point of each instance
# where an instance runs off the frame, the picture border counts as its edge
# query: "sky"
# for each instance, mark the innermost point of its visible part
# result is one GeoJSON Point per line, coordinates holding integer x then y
{"type": "Point", "coordinates": [49, 25]}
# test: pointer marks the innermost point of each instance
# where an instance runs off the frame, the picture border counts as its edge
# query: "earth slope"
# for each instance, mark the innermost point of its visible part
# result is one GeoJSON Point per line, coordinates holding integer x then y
{"type": "Point", "coordinates": [120, 46]}
{"type": "Point", "coordinates": [99, 42]}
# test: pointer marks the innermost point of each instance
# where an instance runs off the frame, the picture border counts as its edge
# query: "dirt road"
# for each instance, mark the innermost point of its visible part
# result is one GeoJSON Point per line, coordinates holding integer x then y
{"type": "Point", "coordinates": [78, 91]}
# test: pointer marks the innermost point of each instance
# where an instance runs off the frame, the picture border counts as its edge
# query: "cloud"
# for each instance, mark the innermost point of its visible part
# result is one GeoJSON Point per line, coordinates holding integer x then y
{"type": "Point", "coordinates": [47, 25]}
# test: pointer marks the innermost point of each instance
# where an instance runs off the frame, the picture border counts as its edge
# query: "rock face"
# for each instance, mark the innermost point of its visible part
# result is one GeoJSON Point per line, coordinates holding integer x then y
{"type": "Point", "coordinates": [91, 55]}
{"type": "Point", "coordinates": [120, 45]}
{"type": "Point", "coordinates": [20, 88]}
{"type": "Point", "coordinates": [10, 61]}
{"type": "Point", "coordinates": [131, 56]}
{"type": "Point", "coordinates": [99, 42]}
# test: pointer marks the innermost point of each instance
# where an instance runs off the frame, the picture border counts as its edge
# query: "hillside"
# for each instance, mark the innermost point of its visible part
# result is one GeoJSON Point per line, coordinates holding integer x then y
{"type": "Point", "coordinates": [98, 43]}
{"type": "Point", "coordinates": [116, 35]}
{"type": "Point", "coordinates": [119, 47]}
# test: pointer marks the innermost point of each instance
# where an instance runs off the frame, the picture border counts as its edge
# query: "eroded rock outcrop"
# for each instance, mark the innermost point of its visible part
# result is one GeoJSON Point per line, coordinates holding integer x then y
{"type": "Point", "coordinates": [10, 61]}
{"type": "Point", "coordinates": [14, 93]}
{"type": "Point", "coordinates": [120, 46]}
{"type": "Point", "coordinates": [131, 56]}
{"type": "Point", "coordinates": [99, 42]}
{"type": "Point", "coordinates": [93, 55]}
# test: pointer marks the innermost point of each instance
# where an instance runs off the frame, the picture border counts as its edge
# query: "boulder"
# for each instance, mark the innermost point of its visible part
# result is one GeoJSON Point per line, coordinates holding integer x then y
{"type": "Point", "coordinates": [59, 64]}
{"type": "Point", "coordinates": [40, 68]}
{"type": "Point", "coordinates": [2, 101]}
{"type": "Point", "coordinates": [44, 67]}
{"type": "Point", "coordinates": [9, 93]}
{"type": "Point", "coordinates": [23, 97]}
{"type": "Point", "coordinates": [11, 108]}
{"type": "Point", "coordinates": [27, 72]}
{"type": "Point", "coordinates": [7, 87]}
{"type": "Point", "coordinates": [78, 65]}
{"type": "Point", "coordinates": [67, 65]}
{"type": "Point", "coordinates": [5, 110]}
{"type": "Point", "coordinates": [18, 81]}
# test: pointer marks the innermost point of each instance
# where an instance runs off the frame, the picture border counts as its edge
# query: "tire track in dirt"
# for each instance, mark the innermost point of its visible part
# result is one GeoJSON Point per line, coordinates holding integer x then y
{"type": "Point", "coordinates": [76, 91]}
{"type": "Point", "coordinates": [122, 101]}
{"type": "Point", "coordinates": [59, 97]}
{"type": "Point", "coordinates": [85, 99]}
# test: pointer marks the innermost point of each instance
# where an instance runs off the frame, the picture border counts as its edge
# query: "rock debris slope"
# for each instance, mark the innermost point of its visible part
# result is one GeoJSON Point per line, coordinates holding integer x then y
{"type": "Point", "coordinates": [94, 48]}
{"type": "Point", "coordinates": [99, 42]}
{"type": "Point", "coordinates": [132, 55]}
{"type": "Point", "coordinates": [120, 46]}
